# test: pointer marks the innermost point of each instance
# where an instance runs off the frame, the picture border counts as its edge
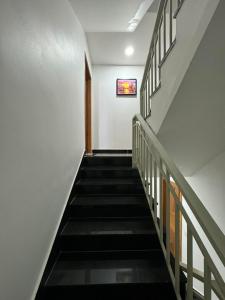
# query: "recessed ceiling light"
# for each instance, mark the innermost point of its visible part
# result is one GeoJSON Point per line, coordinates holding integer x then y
{"type": "Point", "coordinates": [129, 51]}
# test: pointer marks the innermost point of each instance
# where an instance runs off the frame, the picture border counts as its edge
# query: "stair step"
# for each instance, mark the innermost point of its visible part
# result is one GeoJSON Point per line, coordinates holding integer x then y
{"type": "Point", "coordinates": [110, 277]}
{"type": "Point", "coordinates": [108, 226]}
{"type": "Point", "coordinates": [110, 254]}
{"type": "Point", "coordinates": [108, 161]}
{"type": "Point", "coordinates": [108, 247]}
{"type": "Point", "coordinates": [109, 234]}
{"type": "Point", "coordinates": [109, 185]}
{"type": "Point", "coordinates": [108, 206]}
{"type": "Point", "coordinates": [108, 172]}
{"type": "Point", "coordinates": [101, 199]}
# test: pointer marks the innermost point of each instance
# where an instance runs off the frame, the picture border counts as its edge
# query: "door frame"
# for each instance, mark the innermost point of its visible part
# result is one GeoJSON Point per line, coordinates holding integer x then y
{"type": "Point", "coordinates": [172, 217]}
{"type": "Point", "coordinates": [88, 109]}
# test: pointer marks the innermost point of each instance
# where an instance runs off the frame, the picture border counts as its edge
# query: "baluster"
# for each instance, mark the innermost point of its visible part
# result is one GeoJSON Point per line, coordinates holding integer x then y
{"type": "Point", "coordinates": [141, 153]}
{"type": "Point", "coordinates": [171, 22]}
{"type": "Point", "coordinates": [155, 50]}
{"type": "Point", "coordinates": [143, 156]}
{"type": "Point", "coordinates": [146, 99]}
{"type": "Point", "coordinates": [136, 153]}
{"type": "Point", "coordinates": [159, 54]}
{"type": "Point", "coordinates": [167, 216]}
{"type": "Point", "coordinates": [161, 201]}
{"type": "Point", "coordinates": [164, 28]}
{"type": "Point", "coordinates": [152, 81]}
{"type": "Point", "coordinates": [155, 191]}
{"type": "Point", "coordinates": [189, 265]}
{"type": "Point", "coordinates": [207, 281]}
{"type": "Point", "coordinates": [136, 145]}
{"type": "Point", "coordinates": [177, 248]}
{"type": "Point", "coordinates": [149, 92]}
{"type": "Point", "coordinates": [144, 102]}
{"type": "Point", "coordinates": [145, 166]}
{"type": "Point", "coordinates": [151, 180]}
{"type": "Point", "coordinates": [139, 147]}
{"type": "Point", "coordinates": [147, 171]}
{"type": "Point", "coordinates": [133, 144]}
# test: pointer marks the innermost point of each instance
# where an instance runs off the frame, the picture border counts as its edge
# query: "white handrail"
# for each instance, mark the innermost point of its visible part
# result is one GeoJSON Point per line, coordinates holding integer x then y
{"type": "Point", "coordinates": [150, 157]}
{"type": "Point", "coordinates": [163, 41]}
{"type": "Point", "coordinates": [200, 276]}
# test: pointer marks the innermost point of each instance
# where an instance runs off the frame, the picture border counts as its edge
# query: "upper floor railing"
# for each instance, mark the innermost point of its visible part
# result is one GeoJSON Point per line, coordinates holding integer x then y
{"type": "Point", "coordinates": [163, 40]}
{"type": "Point", "coordinates": [163, 182]}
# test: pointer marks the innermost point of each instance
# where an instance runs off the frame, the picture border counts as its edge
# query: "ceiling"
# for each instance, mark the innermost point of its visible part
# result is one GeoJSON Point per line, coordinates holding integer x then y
{"type": "Point", "coordinates": [106, 24]}
{"type": "Point", "coordinates": [105, 15]}
{"type": "Point", "coordinates": [108, 48]}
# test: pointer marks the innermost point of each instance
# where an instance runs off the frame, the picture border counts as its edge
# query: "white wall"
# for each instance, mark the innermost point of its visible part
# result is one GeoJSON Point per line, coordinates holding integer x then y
{"type": "Point", "coordinates": [208, 183]}
{"type": "Point", "coordinates": [189, 33]}
{"type": "Point", "coordinates": [113, 115]}
{"type": "Point", "coordinates": [193, 130]}
{"type": "Point", "coordinates": [41, 132]}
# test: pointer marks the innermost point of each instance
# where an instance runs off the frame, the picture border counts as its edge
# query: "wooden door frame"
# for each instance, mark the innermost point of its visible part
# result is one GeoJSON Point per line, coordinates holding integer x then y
{"type": "Point", "coordinates": [88, 109]}
{"type": "Point", "coordinates": [179, 195]}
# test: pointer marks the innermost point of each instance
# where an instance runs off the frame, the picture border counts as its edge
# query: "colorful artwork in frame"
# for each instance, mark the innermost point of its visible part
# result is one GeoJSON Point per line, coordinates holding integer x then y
{"type": "Point", "coordinates": [126, 87]}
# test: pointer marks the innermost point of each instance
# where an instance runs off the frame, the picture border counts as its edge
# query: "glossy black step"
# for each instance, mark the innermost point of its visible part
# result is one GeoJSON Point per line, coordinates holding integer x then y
{"type": "Point", "coordinates": [108, 172]}
{"type": "Point", "coordinates": [107, 161]}
{"type": "Point", "coordinates": [105, 277]}
{"type": "Point", "coordinates": [108, 152]}
{"type": "Point", "coordinates": [109, 206]}
{"type": "Point", "coordinates": [110, 185]}
{"type": "Point", "coordinates": [107, 247]}
{"type": "Point", "coordinates": [109, 234]}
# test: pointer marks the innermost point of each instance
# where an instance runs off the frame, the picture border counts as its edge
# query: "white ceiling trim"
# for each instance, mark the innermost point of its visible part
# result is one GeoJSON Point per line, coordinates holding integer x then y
{"type": "Point", "coordinates": [142, 10]}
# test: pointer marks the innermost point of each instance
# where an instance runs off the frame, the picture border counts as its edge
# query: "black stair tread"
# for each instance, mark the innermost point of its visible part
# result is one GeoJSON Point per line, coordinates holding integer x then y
{"type": "Point", "coordinates": [112, 155]}
{"type": "Point", "coordinates": [109, 156]}
{"type": "Point", "coordinates": [107, 227]}
{"type": "Point", "coordinates": [125, 160]}
{"type": "Point", "coordinates": [85, 200]}
{"type": "Point", "coordinates": [109, 271]}
{"type": "Point", "coordinates": [109, 181]}
{"type": "Point", "coordinates": [108, 245]}
{"type": "Point", "coordinates": [106, 168]}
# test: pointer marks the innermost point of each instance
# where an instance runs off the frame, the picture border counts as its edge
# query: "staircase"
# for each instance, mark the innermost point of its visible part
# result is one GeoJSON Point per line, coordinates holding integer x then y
{"type": "Point", "coordinates": [107, 246]}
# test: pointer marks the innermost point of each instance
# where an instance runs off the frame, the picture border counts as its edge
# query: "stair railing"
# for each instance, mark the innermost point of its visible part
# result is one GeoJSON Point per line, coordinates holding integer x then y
{"type": "Point", "coordinates": [163, 40]}
{"type": "Point", "coordinates": [156, 167]}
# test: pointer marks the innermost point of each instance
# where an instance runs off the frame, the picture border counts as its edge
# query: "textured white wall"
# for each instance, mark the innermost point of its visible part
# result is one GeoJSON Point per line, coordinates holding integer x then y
{"type": "Point", "coordinates": [193, 130]}
{"type": "Point", "coordinates": [113, 115]}
{"type": "Point", "coordinates": [41, 132]}
{"type": "Point", "coordinates": [189, 33]}
{"type": "Point", "coordinates": [208, 184]}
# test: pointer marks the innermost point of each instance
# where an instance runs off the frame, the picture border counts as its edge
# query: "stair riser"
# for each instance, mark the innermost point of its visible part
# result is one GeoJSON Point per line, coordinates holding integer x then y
{"type": "Point", "coordinates": [109, 174]}
{"type": "Point", "coordinates": [108, 211]}
{"type": "Point", "coordinates": [108, 161]}
{"type": "Point", "coordinates": [156, 291]}
{"type": "Point", "coordinates": [109, 242]}
{"type": "Point", "coordinates": [110, 189]}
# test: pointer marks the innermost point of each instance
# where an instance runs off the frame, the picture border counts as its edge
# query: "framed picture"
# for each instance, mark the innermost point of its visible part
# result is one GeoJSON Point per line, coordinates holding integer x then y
{"type": "Point", "coordinates": [126, 87]}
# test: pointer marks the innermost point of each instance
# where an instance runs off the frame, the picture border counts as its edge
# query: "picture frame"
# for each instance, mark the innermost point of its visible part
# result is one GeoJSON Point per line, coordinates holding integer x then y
{"type": "Point", "coordinates": [126, 87]}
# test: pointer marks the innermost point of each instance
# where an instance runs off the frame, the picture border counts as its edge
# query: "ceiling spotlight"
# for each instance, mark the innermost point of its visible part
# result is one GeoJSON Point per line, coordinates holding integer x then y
{"type": "Point", "coordinates": [129, 51]}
